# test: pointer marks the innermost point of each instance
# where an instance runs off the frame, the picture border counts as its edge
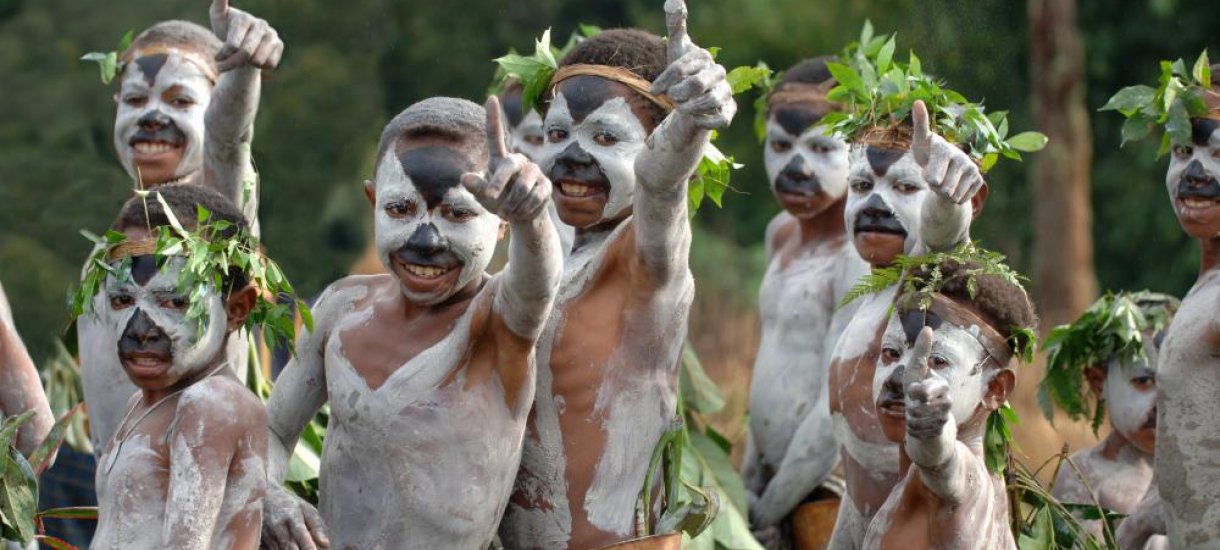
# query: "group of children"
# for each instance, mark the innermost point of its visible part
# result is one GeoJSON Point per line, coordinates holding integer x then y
{"type": "Point", "coordinates": [524, 406]}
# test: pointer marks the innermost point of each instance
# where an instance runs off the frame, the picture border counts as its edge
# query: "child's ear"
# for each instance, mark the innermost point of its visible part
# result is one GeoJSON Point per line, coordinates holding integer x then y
{"type": "Point", "coordinates": [998, 389]}
{"type": "Point", "coordinates": [239, 305]}
{"type": "Point", "coordinates": [502, 231]}
{"type": "Point", "coordinates": [370, 193]}
{"type": "Point", "coordinates": [1096, 377]}
{"type": "Point", "coordinates": [978, 200]}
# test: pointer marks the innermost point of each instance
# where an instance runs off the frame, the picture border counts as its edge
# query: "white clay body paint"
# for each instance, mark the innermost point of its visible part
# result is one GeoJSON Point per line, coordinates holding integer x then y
{"type": "Point", "coordinates": [180, 91]}
{"type": "Point", "coordinates": [822, 153]}
{"type": "Point", "coordinates": [410, 464]}
{"type": "Point", "coordinates": [902, 190]}
{"type": "Point", "coordinates": [957, 345]}
{"type": "Point", "coordinates": [473, 241]}
{"type": "Point", "coordinates": [528, 139]}
{"type": "Point", "coordinates": [613, 118]}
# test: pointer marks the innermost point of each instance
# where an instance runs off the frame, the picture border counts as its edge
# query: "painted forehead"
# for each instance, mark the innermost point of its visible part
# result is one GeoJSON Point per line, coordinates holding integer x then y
{"type": "Point", "coordinates": [880, 161]}
{"type": "Point", "coordinates": [148, 271]}
{"type": "Point", "coordinates": [1203, 132]}
{"type": "Point", "coordinates": [433, 170]}
{"type": "Point", "coordinates": [149, 64]}
{"type": "Point", "coordinates": [913, 320]}
{"type": "Point", "coordinates": [795, 118]}
{"type": "Point", "coordinates": [584, 94]}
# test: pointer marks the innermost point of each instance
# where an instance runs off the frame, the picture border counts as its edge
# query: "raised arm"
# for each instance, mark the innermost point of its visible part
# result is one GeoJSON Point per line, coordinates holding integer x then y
{"type": "Point", "coordinates": [703, 102]}
{"type": "Point", "coordinates": [931, 440]}
{"type": "Point", "coordinates": [250, 46]}
{"type": "Point", "coordinates": [518, 192]}
{"type": "Point", "coordinates": [20, 388]}
{"type": "Point", "coordinates": [954, 180]}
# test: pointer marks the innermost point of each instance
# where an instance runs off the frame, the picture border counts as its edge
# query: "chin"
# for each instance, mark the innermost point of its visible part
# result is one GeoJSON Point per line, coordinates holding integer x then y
{"type": "Point", "coordinates": [1199, 218]}
{"type": "Point", "coordinates": [880, 249]}
{"type": "Point", "coordinates": [804, 207]}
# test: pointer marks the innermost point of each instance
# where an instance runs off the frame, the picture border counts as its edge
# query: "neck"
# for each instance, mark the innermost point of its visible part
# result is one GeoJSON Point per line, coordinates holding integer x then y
{"type": "Point", "coordinates": [1210, 249]}
{"type": "Point", "coordinates": [1117, 448]}
{"type": "Point", "coordinates": [593, 233]}
{"type": "Point", "coordinates": [151, 397]}
{"type": "Point", "coordinates": [825, 225]}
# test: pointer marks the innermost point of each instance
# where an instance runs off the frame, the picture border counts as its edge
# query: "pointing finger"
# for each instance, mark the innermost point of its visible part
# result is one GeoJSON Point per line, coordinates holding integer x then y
{"type": "Point", "coordinates": [917, 369]}
{"type": "Point", "coordinates": [497, 143]}
{"type": "Point", "coordinates": [678, 42]}
{"type": "Point", "coordinates": [921, 140]}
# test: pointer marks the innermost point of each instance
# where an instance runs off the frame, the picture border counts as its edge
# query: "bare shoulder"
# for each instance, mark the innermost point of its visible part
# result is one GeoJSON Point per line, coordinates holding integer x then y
{"type": "Point", "coordinates": [779, 230]}
{"type": "Point", "coordinates": [222, 405]}
{"type": "Point", "coordinates": [349, 292]}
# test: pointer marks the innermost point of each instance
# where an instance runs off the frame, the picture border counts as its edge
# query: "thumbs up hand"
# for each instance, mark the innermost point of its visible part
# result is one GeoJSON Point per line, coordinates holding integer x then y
{"type": "Point", "coordinates": [693, 80]}
{"type": "Point", "coordinates": [248, 40]}
{"type": "Point", "coordinates": [515, 188]}
{"type": "Point", "coordinates": [948, 170]}
{"type": "Point", "coordinates": [928, 403]}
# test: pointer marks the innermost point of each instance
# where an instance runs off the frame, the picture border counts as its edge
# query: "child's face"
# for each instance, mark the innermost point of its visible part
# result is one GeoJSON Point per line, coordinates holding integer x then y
{"type": "Point", "coordinates": [158, 128]}
{"type": "Point", "coordinates": [956, 357]}
{"type": "Point", "coordinates": [1193, 180]}
{"type": "Point", "coordinates": [806, 165]}
{"type": "Point", "coordinates": [157, 344]}
{"type": "Point", "coordinates": [1130, 394]}
{"type": "Point", "coordinates": [884, 202]}
{"type": "Point", "coordinates": [593, 136]}
{"type": "Point", "coordinates": [431, 233]}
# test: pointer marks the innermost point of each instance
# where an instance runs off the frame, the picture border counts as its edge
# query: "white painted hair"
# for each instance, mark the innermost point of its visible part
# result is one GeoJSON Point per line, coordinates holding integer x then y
{"type": "Point", "coordinates": [459, 119]}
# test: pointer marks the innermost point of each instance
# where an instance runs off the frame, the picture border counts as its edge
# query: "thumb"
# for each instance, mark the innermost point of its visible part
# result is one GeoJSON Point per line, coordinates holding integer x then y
{"type": "Point", "coordinates": [475, 183]}
{"type": "Point", "coordinates": [677, 41]}
{"type": "Point", "coordinates": [917, 368]}
{"type": "Point", "coordinates": [921, 139]}
{"type": "Point", "coordinates": [219, 14]}
{"type": "Point", "coordinates": [497, 142]}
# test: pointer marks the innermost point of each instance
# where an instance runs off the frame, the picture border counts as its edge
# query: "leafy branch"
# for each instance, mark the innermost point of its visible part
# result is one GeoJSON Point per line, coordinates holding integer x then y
{"type": "Point", "coordinates": [108, 62]}
{"type": "Point", "coordinates": [878, 91]}
{"type": "Point", "coordinates": [1177, 98]}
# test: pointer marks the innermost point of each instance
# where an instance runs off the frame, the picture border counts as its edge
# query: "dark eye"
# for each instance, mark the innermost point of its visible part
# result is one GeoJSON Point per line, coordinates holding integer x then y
{"type": "Point", "coordinates": [400, 209]}
{"type": "Point", "coordinates": [605, 139]}
{"type": "Point", "coordinates": [457, 213]}
{"type": "Point", "coordinates": [121, 301]}
{"type": "Point", "coordinates": [532, 140]}
{"type": "Point", "coordinates": [1182, 151]}
{"type": "Point", "coordinates": [906, 188]}
{"type": "Point", "coordinates": [555, 135]}
{"type": "Point", "coordinates": [1143, 382]}
{"type": "Point", "coordinates": [938, 362]}
{"type": "Point", "coordinates": [861, 186]}
{"type": "Point", "coordinates": [781, 146]}
{"type": "Point", "coordinates": [819, 148]}
{"type": "Point", "coordinates": [181, 102]}
{"type": "Point", "coordinates": [890, 354]}
{"type": "Point", "coordinates": [135, 100]}
{"type": "Point", "coordinates": [1216, 153]}
{"type": "Point", "coordinates": [175, 302]}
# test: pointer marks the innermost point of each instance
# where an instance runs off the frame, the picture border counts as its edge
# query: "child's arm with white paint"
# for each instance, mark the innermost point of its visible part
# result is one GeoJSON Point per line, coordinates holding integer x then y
{"type": "Point", "coordinates": [250, 46]}
{"type": "Point", "coordinates": [931, 441]}
{"type": "Point", "coordinates": [703, 102]}
{"type": "Point", "coordinates": [20, 387]}
{"type": "Point", "coordinates": [517, 191]}
{"type": "Point", "coordinates": [204, 440]}
{"type": "Point", "coordinates": [954, 180]}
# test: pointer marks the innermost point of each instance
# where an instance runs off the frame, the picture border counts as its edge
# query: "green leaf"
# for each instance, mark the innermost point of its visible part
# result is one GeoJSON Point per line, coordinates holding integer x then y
{"type": "Point", "coordinates": [72, 512]}
{"type": "Point", "coordinates": [55, 543]}
{"type": "Point", "coordinates": [1136, 127]}
{"type": "Point", "coordinates": [699, 392]}
{"type": "Point", "coordinates": [1202, 71]}
{"type": "Point", "coordinates": [743, 78]}
{"type": "Point", "coordinates": [1027, 142]}
{"type": "Point", "coordinates": [1177, 123]}
{"type": "Point", "coordinates": [1131, 98]}
{"type": "Point", "coordinates": [886, 55]}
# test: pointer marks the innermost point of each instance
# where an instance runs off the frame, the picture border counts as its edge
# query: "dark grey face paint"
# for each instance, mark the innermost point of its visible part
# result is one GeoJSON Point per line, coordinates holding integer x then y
{"type": "Point", "coordinates": [144, 268]}
{"type": "Point", "coordinates": [576, 164]}
{"type": "Point", "coordinates": [796, 120]}
{"type": "Point", "coordinates": [877, 217]}
{"type": "Point", "coordinates": [1201, 130]}
{"type": "Point", "coordinates": [513, 109]}
{"type": "Point", "coordinates": [143, 336]}
{"type": "Point", "coordinates": [584, 94]}
{"type": "Point", "coordinates": [1197, 183]}
{"type": "Point", "coordinates": [427, 246]}
{"type": "Point", "coordinates": [914, 320]}
{"type": "Point", "coordinates": [798, 177]}
{"type": "Point", "coordinates": [157, 127]}
{"type": "Point", "coordinates": [434, 171]}
{"type": "Point", "coordinates": [880, 160]}
{"type": "Point", "coordinates": [150, 65]}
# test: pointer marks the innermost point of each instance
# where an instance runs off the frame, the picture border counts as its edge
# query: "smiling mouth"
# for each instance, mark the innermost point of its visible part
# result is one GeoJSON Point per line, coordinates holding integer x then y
{"type": "Point", "coordinates": [578, 189]}
{"type": "Point", "coordinates": [426, 271]}
{"type": "Point", "coordinates": [153, 147]}
{"type": "Point", "coordinates": [879, 228]}
{"type": "Point", "coordinates": [893, 407]}
{"type": "Point", "coordinates": [146, 362]}
{"type": "Point", "coordinates": [1198, 203]}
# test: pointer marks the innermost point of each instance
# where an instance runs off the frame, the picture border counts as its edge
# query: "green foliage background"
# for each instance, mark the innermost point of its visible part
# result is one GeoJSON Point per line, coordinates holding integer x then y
{"type": "Point", "coordinates": [349, 66]}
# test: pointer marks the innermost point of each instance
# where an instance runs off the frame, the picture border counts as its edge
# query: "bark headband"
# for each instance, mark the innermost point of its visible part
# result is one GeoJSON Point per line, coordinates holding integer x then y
{"type": "Point", "coordinates": [617, 74]}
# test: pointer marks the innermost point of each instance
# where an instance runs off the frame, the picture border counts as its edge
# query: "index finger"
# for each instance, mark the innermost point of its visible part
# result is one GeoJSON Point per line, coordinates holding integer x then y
{"type": "Point", "coordinates": [917, 368]}
{"type": "Point", "coordinates": [220, 7]}
{"type": "Point", "coordinates": [921, 139]}
{"type": "Point", "coordinates": [497, 143]}
{"type": "Point", "coordinates": [677, 41]}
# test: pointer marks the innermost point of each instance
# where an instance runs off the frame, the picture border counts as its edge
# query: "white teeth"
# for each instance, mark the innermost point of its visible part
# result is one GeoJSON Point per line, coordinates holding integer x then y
{"type": "Point", "coordinates": [151, 148]}
{"type": "Point", "coordinates": [1198, 203]}
{"type": "Point", "coordinates": [572, 189]}
{"type": "Point", "coordinates": [145, 362]}
{"type": "Point", "coordinates": [427, 272]}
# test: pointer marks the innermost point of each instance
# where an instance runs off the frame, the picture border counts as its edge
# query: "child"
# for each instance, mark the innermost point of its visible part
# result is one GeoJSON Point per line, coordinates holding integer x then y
{"type": "Point", "coordinates": [941, 372]}
{"type": "Point", "coordinates": [186, 468]}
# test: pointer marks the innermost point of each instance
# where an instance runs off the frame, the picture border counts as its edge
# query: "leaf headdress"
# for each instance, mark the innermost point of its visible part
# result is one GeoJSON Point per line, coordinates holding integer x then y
{"type": "Point", "coordinates": [878, 92]}
{"type": "Point", "coordinates": [1180, 95]}
{"type": "Point", "coordinates": [211, 252]}
{"type": "Point", "coordinates": [536, 74]}
{"type": "Point", "coordinates": [1110, 330]}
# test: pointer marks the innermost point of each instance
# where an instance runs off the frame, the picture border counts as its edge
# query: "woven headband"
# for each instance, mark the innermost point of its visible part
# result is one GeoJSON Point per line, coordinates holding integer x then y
{"type": "Point", "coordinates": [801, 92]}
{"type": "Point", "coordinates": [617, 74]}
{"type": "Point", "coordinates": [131, 249]}
{"type": "Point", "coordinates": [190, 56]}
{"type": "Point", "coordinates": [992, 341]}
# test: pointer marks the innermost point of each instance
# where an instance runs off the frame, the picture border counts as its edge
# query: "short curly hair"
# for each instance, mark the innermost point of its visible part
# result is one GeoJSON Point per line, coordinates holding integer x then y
{"type": "Point", "coordinates": [1001, 303]}
{"type": "Point", "coordinates": [808, 71]}
{"type": "Point", "coordinates": [638, 51]}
